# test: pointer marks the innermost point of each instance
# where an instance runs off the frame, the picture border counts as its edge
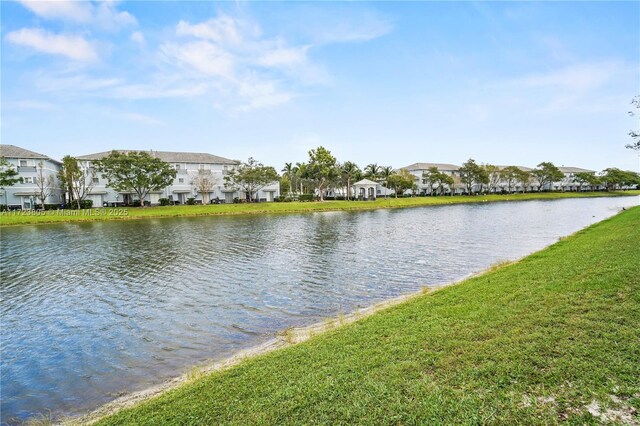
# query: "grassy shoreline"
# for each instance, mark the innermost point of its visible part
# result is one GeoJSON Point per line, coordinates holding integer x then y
{"type": "Point", "coordinates": [553, 337]}
{"type": "Point", "coordinates": [132, 213]}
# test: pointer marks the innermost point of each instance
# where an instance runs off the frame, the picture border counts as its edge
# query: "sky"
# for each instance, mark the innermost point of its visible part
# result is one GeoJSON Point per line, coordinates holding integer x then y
{"type": "Point", "coordinates": [391, 83]}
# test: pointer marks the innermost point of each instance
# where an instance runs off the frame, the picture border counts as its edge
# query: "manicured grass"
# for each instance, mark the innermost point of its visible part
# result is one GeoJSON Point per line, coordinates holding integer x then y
{"type": "Point", "coordinates": [100, 214]}
{"type": "Point", "coordinates": [535, 342]}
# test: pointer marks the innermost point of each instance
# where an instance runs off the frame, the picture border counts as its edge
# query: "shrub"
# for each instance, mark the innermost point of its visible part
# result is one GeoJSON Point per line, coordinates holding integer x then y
{"type": "Point", "coordinates": [164, 201]}
{"type": "Point", "coordinates": [73, 205]}
{"type": "Point", "coordinates": [135, 203]}
{"type": "Point", "coordinates": [306, 197]}
{"type": "Point", "coordinates": [191, 201]}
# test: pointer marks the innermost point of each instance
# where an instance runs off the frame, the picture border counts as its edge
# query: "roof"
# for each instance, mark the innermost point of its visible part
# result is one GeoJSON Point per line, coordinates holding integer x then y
{"type": "Point", "coordinates": [365, 182]}
{"type": "Point", "coordinates": [523, 168]}
{"type": "Point", "coordinates": [575, 170]}
{"type": "Point", "coordinates": [426, 166]}
{"type": "Point", "coordinates": [169, 157]}
{"type": "Point", "coordinates": [12, 151]}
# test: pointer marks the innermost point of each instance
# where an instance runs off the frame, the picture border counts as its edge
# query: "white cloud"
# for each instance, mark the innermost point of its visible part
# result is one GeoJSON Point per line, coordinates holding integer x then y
{"type": "Point", "coordinates": [71, 10]}
{"type": "Point", "coordinates": [202, 56]}
{"type": "Point", "coordinates": [103, 15]}
{"type": "Point", "coordinates": [75, 84]}
{"type": "Point", "coordinates": [223, 30]}
{"type": "Point", "coordinates": [27, 104]}
{"type": "Point", "coordinates": [71, 46]}
{"type": "Point", "coordinates": [244, 68]}
{"type": "Point", "coordinates": [283, 56]}
{"type": "Point", "coordinates": [138, 38]}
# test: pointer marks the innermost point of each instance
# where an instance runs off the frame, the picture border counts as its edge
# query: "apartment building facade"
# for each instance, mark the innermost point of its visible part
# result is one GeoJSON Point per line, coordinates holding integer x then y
{"type": "Point", "coordinates": [35, 170]}
{"type": "Point", "coordinates": [188, 166]}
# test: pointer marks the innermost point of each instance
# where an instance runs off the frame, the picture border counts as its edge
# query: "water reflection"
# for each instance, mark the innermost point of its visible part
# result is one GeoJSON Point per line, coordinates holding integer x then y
{"type": "Point", "coordinates": [92, 310]}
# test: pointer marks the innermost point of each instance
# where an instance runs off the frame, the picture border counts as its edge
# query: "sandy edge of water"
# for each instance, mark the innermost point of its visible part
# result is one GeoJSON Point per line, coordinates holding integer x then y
{"type": "Point", "coordinates": [283, 339]}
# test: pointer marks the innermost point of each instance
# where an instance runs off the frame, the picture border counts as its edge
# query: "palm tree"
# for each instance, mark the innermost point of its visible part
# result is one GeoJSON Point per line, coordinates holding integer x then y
{"type": "Point", "coordinates": [301, 174]}
{"type": "Point", "coordinates": [289, 172]}
{"type": "Point", "coordinates": [385, 174]}
{"type": "Point", "coordinates": [349, 171]}
{"type": "Point", "coordinates": [372, 171]}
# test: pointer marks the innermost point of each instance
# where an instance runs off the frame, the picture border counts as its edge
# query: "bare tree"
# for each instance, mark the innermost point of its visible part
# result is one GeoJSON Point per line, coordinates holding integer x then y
{"type": "Point", "coordinates": [44, 184]}
{"type": "Point", "coordinates": [77, 180]}
{"type": "Point", "coordinates": [204, 181]}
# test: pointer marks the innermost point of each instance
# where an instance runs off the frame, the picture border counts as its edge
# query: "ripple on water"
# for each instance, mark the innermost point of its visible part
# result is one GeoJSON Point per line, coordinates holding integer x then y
{"type": "Point", "coordinates": [93, 310]}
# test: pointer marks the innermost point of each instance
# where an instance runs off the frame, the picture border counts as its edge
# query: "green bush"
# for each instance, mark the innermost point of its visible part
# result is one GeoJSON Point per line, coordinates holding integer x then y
{"type": "Point", "coordinates": [164, 201]}
{"type": "Point", "coordinates": [191, 201]}
{"type": "Point", "coordinates": [306, 197]}
{"type": "Point", "coordinates": [73, 205]}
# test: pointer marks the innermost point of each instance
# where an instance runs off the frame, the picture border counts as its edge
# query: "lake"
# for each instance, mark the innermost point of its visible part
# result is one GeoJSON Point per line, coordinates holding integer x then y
{"type": "Point", "coordinates": [94, 310]}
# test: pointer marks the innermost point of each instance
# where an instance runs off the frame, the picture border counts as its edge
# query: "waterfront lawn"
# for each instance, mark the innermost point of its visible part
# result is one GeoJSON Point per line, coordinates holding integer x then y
{"type": "Point", "coordinates": [125, 213]}
{"type": "Point", "coordinates": [540, 341]}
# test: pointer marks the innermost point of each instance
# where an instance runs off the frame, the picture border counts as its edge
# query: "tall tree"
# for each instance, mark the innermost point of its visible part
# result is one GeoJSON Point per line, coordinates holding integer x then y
{"type": "Point", "coordinates": [546, 173]}
{"type": "Point", "coordinates": [251, 177]}
{"type": "Point", "coordinates": [472, 174]}
{"type": "Point", "coordinates": [493, 177]}
{"type": "Point", "coordinates": [289, 172]}
{"type": "Point", "coordinates": [635, 134]}
{"type": "Point", "coordinates": [76, 180]}
{"type": "Point", "coordinates": [525, 179]}
{"type": "Point", "coordinates": [204, 182]}
{"type": "Point", "coordinates": [436, 180]}
{"type": "Point", "coordinates": [582, 178]}
{"type": "Point", "coordinates": [302, 175]}
{"type": "Point", "coordinates": [372, 172]}
{"type": "Point", "coordinates": [510, 175]}
{"type": "Point", "coordinates": [45, 184]}
{"type": "Point", "coordinates": [350, 171]}
{"type": "Point", "coordinates": [322, 169]}
{"type": "Point", "coordinates": [137, 172]}
{"type": "Point", "coordinates": [8, 174]}
{"type": "Point", "coordinates": [385, 174]}
{"type": "Point", "coordinates": [613, 178]}
{"type": "Point", "coordinates": [401, 181]}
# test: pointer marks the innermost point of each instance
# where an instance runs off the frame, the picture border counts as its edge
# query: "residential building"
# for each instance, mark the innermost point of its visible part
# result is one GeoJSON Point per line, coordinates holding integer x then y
{"type": "Point", "coordinates": [188, 166]}
{"type": "Point", "coordinates": [569, 182]}
{"type": "Point", "coordinates": [418, 169]}
{"type": "Point", "coordinates": [36, 172]}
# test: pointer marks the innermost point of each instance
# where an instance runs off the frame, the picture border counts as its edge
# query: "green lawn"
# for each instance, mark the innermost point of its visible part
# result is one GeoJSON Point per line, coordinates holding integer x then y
{"type": "Point", "coordinates": [537, 342]}
{"type": "Point", "coordinates": [25, 218]}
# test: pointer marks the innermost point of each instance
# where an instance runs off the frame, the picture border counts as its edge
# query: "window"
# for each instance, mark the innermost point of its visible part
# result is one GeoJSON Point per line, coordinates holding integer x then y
{"type": "Point", "coordinates": [177, 166]}
{"type": "Point", "coordinates": [180, 180]}
{"type": "Point", "coordinates": [23, 163]}
{"type": "Point", "coordinates": [28, 180]}
{"type": "Point", "coordinates": [96, 180]}
{"type": "Point", "coordinates": [224, 167]}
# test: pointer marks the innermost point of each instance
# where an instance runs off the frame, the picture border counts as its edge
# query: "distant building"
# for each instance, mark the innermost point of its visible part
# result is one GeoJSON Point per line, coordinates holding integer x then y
{"type": "Point", "coordinates": [188, 166]}
{"type": "Point", "coordinates": [569, 182]}
{"type": "Point", "coordinates": [418, 169]}
{"type": "Point", "coordinates": [31, 166]}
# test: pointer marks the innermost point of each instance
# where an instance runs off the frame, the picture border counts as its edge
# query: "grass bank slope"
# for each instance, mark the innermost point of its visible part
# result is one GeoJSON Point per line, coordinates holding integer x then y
{"type": "Point", "coordinates": [554, 337]}
{"type": "Point", "coordinates": [129, 213]}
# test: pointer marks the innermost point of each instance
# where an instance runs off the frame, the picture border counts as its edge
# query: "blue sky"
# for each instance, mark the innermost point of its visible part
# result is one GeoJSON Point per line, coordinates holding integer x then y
{"type": "Point", "coordinates": [392, 83]}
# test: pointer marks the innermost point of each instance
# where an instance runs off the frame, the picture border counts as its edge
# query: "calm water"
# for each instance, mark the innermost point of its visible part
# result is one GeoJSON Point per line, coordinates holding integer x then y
{"type": "Point", "coordinates": [90, 311]}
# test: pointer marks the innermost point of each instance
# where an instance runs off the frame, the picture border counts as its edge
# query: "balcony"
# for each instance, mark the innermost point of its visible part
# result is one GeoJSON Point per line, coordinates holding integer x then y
{"type": "Point", "coordinates": [22, 169]}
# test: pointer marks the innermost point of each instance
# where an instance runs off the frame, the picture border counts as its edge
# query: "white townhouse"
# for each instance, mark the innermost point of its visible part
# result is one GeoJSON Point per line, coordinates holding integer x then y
{"type": "Point", "coordinates": [569, 182]}
{"type": "Point", "coordinates": [418, 169]}
{"type": "Point", "coordinates": [32, 168]}
{"type": "Point", "coordinates": [516, 186]}
{"type": "Point", "coordinates": [188, 166]}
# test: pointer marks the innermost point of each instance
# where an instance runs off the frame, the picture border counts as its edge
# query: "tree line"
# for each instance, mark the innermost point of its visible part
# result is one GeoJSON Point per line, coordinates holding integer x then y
{"type": "Point", "coordinates": [140, 173]}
